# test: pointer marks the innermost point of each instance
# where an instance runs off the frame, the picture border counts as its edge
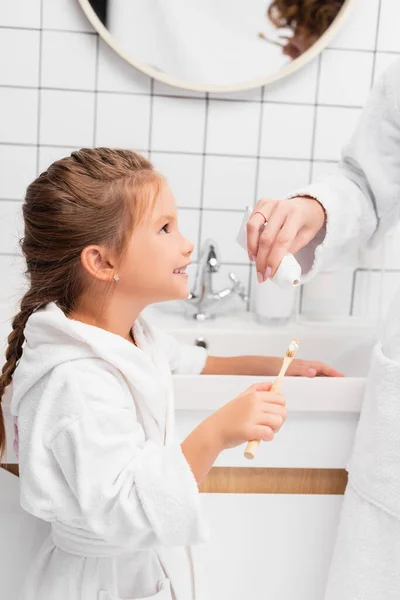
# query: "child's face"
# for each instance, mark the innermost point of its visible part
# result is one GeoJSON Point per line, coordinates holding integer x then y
{"type": "Point", "coordinates": [155, 251]}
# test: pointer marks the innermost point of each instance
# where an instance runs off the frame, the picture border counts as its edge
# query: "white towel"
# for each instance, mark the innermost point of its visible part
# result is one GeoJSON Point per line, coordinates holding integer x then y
{"type": "Point", "coordinates": [366, 559]}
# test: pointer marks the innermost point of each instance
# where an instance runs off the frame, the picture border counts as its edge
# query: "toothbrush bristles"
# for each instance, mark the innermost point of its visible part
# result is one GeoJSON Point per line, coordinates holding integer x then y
{"type": "Point", "coordinates": [292, 349]}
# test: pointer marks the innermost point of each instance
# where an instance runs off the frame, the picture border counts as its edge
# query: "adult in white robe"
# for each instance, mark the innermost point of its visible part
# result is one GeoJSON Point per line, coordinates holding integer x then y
{"type": "Point", "coordinates": [362, 202]}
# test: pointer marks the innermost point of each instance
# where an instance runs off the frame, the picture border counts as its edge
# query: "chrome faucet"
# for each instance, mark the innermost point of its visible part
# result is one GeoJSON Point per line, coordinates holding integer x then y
{"type": "Point", "coordinates": [202, 299]}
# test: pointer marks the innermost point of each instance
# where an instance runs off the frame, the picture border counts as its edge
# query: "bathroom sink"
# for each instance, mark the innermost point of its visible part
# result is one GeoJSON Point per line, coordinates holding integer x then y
{"type": "Point", "coordinates": [347, 348]}
{"type": "Point", "coordinates": [347, 351]}
{"type": "Point", "coordinates": [322, 412]}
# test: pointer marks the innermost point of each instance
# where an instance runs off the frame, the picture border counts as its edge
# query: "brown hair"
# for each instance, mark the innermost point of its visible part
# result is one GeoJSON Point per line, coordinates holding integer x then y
{"type": "Point", "coordinates": [94, 196]}
{"type": "Point", "coordinates": [312, 17]}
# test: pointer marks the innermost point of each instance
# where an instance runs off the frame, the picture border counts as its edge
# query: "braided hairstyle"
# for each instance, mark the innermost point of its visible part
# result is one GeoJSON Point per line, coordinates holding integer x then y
{"type": "Point", "coordinates": [94, 196]}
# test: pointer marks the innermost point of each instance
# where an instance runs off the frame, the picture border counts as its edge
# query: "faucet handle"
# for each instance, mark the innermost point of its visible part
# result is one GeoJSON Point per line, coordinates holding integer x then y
{"type": "Point", "coordinates": [236, 281]}
{"type": "Point", "coordinates": [238, 287]}
{"type": "Point", "coordinates": [212, 262]}
{"type": "Point", "coordinates": [210, 256]}
{"type": "Point", "coordinates": [234, 278]}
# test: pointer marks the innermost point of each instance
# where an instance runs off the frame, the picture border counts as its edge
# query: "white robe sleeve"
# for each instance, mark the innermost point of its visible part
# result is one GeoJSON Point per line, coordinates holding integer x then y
{"type": "Point", "coordinates": [184, 359]}
{"type": "Point", "coordinates": [361, 198]}
{"type": "Point", "coordinates": [131, 492]}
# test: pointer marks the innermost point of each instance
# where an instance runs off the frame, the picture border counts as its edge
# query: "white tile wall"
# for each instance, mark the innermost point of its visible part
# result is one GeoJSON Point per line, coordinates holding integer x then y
{"type": "Point", "coordinates": [68, 60]}
{"type": "Point", "coordinates": [66, 118]}
{"type": "Point", "coordinates": [254, 95]}
{"type": "Point", "coordinates": [20, 13]}
{"type": "Point", "coordinates": [321, 169]}
{"type": "Point", "coordinates": [233, 127]}
{"type": "Point", "coordinates": [334, 126]}
{"type": "Point", "coordinates": [184, 173]}
{"type": "Point", "coordinates": [11, 293]}
{"type": "Point", "coordinates": [383, 60]}
{"type": "Point", "coordinates": [375, 292]}
{"type": "Point", "coordinates": [337, 84]}
{"type": "Point", "coordinates": [118, 75]}
{"type": "Point", "coordinates": [278, 177]}
{"type": "Point", "coordinates": [49, 154]}
{"type": "Point", "coordinates": [178, 124]}
{"type": "Point", "coordinates": [388, 37]}
{"type": "Point", "coordinates": [287, 130]}
{"type": "Point", "coordinates": [63, 15]}
{"type": "Point", "coordinates": [61, 88]}
{"type": "Point", "coordinates": [16, 67]}
{"type": "Point", "coordinates": [18, 169]}
{"type": "Point", "coordinates": [12, 226]}
{"type": "Point", "coordinates": [299, 88]}
{"type": "Point", "coordinates": [18, 109]}
{"type": "Point", "coordinates": [131, 129]}
{"type": "Point", "coordinates": [161, 89]}
{"type": "Point", "coordinates": [359, 32]}
{"type": "Point", "coordinates": [228, 180]}
{"type": "Point", "coordinates": [219, 225]}
{"type": "Point", "coordinates": [189, 226]}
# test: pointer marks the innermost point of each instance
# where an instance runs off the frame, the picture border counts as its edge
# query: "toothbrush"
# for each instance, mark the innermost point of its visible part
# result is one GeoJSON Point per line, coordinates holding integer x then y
{"type": "Point", "coordinates": [252, 446]}
{"type": "Point", "coordinates": [262, 36]}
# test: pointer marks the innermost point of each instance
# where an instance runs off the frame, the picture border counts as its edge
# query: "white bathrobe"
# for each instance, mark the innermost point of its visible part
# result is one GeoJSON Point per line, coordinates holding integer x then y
{"type": "Point", "coordinates": [362, 201]}
{"type": "Point", "coordinates": [99, 461]}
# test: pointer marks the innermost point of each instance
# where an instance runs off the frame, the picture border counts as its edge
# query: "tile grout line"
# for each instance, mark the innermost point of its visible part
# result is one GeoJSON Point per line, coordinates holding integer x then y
{"type": "Point", "coordinates": [194, 262]}
{"type": "Point", "coordinates": [186, 153]}
{"type": "Point", "coordinates": [150, 150]}
{"type": "Point", "coordinates": [96, 86]}
{"type": "Point", "coordinates": [39, 91]}
{"type": "Point", "coordinates": [256, 182]}
{"type": "Point", "coordinates": [91, 32]}
{"type": "Point", "coordinates": [236, 211]}
{"type": "Point", "coordinates": [204, 154]}
{"type": "Point", "coordinates": [203, 175]}
{"type": "Point", "coordinates": [180, 97]}
{"type": "Point", "coordinates": [312, 153]}
{"type": "Point", "coordinates": [315, 120]}
{"type": "Point", "coordinates": [375, 50]}
{"type": "Point", "coordinates": [22, 28]}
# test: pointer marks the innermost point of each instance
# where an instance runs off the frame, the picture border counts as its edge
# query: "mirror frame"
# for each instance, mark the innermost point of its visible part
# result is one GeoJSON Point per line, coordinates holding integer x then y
{"type": "Point", "coordinates": [296, 64]}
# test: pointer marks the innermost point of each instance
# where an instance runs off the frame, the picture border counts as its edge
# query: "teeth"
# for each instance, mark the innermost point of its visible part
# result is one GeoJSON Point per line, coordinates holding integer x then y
{"type": "Point", "coordinates": [182, 271]}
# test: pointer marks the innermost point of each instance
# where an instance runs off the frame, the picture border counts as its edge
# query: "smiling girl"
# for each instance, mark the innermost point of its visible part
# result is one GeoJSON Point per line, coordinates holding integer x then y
{"type": "Point", "coordinates": [89, 381]}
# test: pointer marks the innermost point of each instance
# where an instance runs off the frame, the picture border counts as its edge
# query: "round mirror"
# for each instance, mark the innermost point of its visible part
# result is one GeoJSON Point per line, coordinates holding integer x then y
{"type": "Point", "coordinates": [217, 45]}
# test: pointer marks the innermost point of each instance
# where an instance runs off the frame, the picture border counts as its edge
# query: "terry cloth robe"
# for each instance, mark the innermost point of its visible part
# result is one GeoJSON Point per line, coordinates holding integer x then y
{"type": "Point", "coordinates": [100, 463]}
{"type": "Point", "coordinates": [362, 202]}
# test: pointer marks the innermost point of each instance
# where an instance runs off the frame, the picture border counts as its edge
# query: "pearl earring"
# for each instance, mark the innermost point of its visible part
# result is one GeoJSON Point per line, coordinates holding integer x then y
{"type": "Point", "coordinates": [116, 278]}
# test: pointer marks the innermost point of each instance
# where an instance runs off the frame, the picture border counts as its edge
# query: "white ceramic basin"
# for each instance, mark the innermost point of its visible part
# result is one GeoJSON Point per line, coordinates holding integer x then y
{"type": "Point", "coordinates": [322, 412]}
{"type": "Point", "coordinates": [346, 349]}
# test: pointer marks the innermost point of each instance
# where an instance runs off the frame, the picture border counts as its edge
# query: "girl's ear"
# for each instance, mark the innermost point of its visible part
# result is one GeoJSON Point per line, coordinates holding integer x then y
{"type": "Point", "coordinates": [97, 261]}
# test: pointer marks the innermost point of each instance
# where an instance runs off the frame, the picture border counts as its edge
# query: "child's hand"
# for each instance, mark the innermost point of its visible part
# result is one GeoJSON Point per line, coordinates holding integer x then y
{"type": "Point", "coordinates": [256, 414]}
{"type": "Point", "coordinates": [266, 366]}
{"type": "Point", "coordinates": [311, 368]}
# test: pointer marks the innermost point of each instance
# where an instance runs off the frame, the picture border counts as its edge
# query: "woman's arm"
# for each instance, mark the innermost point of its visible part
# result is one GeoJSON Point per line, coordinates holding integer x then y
{"type": "Point", "coordinates": [361, 199]}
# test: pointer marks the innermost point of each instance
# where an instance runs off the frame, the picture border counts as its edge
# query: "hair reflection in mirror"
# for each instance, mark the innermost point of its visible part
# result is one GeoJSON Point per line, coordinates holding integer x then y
{"type": "Point", "coordinates": [307, 20]}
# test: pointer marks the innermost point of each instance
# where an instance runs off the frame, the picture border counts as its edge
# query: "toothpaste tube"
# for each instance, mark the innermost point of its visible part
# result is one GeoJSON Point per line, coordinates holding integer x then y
{"type": "Point", "coordinates": [288, 274]}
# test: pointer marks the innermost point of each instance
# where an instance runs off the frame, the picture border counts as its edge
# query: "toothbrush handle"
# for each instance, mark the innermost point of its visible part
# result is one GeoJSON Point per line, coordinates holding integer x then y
{"type": "Point", "coordinates": [251, 449]}
{"type": "Point", "coordinates": [252, 446]}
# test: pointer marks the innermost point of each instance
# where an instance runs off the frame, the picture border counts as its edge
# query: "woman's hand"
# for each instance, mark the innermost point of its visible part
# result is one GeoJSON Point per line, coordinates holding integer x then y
{"type": "Point", "coordinates": [292, 224]}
